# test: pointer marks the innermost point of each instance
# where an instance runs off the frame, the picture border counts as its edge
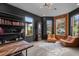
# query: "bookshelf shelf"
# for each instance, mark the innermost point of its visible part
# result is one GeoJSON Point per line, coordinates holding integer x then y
{"type": "Point", "coordinates": [4, 21]}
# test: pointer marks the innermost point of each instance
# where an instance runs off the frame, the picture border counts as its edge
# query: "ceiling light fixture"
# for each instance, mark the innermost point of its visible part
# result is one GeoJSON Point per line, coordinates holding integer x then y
{"type": "Point", "coordinates": [47, 5]}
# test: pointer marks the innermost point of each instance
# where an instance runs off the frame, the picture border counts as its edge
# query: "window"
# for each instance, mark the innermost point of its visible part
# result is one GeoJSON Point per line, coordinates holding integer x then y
{"type": "Point", "coordinates": [75, 25]}
{"type": "Point", "coordinates": [29, 26]}
{"type": "Point", "coordinates": [60, 26]}
{"type": "Point", "coordinates": [49, 26]}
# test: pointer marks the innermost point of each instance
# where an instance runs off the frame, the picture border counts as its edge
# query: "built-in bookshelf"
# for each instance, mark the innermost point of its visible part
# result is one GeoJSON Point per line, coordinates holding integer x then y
{"type": "Point", "coordinates": [5, 21]}
{"type": "Point", "coordinates": [11, 26]}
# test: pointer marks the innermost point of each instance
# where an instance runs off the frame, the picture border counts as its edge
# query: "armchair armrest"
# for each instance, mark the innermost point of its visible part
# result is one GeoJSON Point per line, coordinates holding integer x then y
{"type": "Point", "coordinates": [66, 41]}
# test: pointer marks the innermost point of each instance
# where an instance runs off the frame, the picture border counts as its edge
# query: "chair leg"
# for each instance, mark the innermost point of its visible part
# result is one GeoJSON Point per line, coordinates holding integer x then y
{"type": "Point", "coordinates": [26, 52]}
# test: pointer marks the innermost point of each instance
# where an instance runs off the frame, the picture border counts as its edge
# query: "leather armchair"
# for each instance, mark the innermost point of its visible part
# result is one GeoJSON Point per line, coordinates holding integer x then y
{"type": "Point", "coordinates": [51, 38]}
{"type": "Point", "coordinates": [70, 42]}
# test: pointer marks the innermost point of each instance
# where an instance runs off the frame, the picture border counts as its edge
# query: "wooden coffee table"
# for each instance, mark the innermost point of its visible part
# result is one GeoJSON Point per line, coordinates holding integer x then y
{"type": "Point", "coordinates": [14, 48]}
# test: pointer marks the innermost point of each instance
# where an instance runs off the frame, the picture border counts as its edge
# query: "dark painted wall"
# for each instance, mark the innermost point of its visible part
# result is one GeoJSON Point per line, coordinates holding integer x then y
{"type": "Point", "coordinates": [72, 13]}
{"type": "Point", "coordinates": [19, 13]}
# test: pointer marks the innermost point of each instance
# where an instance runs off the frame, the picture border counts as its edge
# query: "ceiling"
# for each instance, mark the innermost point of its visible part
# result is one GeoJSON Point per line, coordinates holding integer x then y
{"type": "Point", "coordinates": [56, 8]}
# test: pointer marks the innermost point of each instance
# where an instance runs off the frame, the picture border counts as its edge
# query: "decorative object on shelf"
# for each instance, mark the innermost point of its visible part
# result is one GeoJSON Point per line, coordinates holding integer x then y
{"type": "Point", "coordinates": [0, 21]}
{"type": "Point", "coordinates": [1, 31]}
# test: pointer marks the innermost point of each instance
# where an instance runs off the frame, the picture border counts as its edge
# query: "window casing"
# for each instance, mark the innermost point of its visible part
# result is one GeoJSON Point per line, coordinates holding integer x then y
{"type": "Point", "coordinates": [49, 26]}
{"type": "Point", "coordinates": [75, 25]}
{"type": "Point", "coordinates": [29, 26]}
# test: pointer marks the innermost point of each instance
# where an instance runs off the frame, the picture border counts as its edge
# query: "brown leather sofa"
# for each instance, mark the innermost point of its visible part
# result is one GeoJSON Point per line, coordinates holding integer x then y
{"type": "Point", "coordinates": [70, 41]}
{"type": "Point", "coordinates": [51, 38]}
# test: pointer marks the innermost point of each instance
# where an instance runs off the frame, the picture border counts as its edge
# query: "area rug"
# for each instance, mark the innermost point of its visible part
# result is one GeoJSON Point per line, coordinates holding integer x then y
{"type": "Point", "coordinates": [56, 49]}
{"type": "Point", "coordinates": [50, 46]}
{"type": "Point", "coordinates": [52, 49]}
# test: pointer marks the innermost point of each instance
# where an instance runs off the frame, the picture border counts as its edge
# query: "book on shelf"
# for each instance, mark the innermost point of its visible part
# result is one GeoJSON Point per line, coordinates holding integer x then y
{"type": "Point", "coordinates": [5, 21]}
{"type": "Point", "coordinates": [0, 21]}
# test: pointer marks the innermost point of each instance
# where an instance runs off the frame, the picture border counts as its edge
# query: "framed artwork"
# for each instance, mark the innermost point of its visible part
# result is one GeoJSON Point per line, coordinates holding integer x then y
{"type": "Point", "coordinates": [60, 26]}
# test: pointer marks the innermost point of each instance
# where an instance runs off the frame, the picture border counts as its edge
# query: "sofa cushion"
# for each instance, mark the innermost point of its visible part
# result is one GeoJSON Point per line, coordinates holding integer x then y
{"type": "Point", "coordinates": [69, 38]}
